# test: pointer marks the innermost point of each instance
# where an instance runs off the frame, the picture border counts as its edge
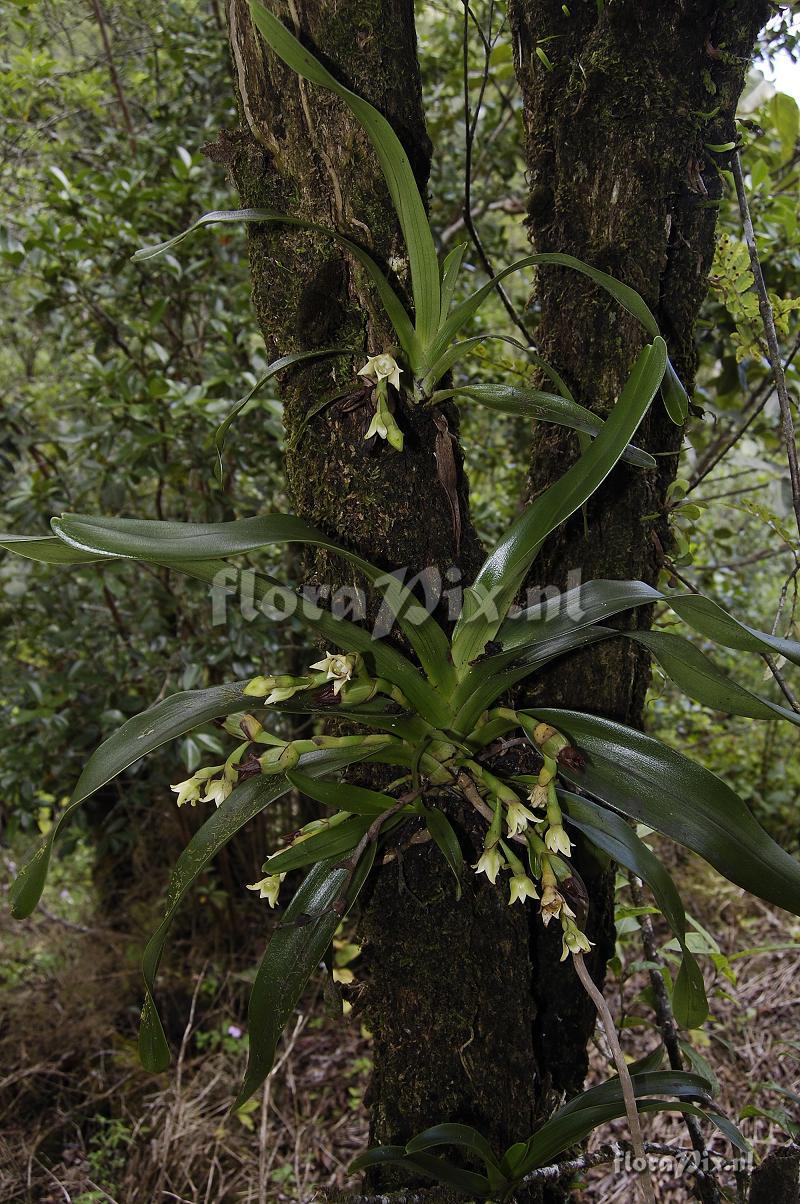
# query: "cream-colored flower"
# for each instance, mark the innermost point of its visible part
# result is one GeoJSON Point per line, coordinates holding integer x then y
{"type": "Point", "coordinates": [189, 791]}
{"type": "Point", "coordinates": [574, 941]}
{"type": "Point", "coordinates": [537, 798]}
{"type": "Point", "coordinates": [281, 693]}
{"type": "Point", "coordinates": [554, 904]}
{"type": "Point", "coordinates": [217, 790]}
{"type": "Point", "coordinates": [382, 367]}
{"type": "Point", "coordinates": [259, 686]}
{"type": "Point", "coordinates": [377, 426]}
{"type": "Point", "coordinates": [521, 888]}
{"type": "Point", "coordinates": [518, 817]}
{"type": "Point", "coordinates": [268, 887]}
{"type": "Point", "coordinates": [490, 864]}
{"type": "Point", "coordinates": [557, 840]}
{"type": "Point", "coordinates": [338, 668]}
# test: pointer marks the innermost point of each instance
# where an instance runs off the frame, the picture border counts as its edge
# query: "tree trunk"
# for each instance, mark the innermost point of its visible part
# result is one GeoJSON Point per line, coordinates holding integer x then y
{"type": "Point", "coordinates": [467, 1027]}
{"type": "Point", "coordinates": [448, 999]}
{"type": "Point", "coordinates": [621, 177]}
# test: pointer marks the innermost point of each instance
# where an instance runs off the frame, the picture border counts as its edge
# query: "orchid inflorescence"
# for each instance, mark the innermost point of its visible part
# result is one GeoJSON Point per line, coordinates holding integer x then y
{"type": "Point", "coordinates": [536, 824]}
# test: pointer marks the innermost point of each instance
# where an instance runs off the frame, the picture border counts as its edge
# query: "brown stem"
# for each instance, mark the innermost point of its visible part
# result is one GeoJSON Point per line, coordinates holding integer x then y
{"type": "Point", "coordinates": [768, 322]}
{"type": "Point", "coordinates": [112, 71]}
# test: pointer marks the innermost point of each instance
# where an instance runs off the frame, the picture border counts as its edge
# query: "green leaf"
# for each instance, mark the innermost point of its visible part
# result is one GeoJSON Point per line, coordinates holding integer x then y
{"type": "Point", "coordinates": [442, 832]}
{"type": "Point", "coordinates": [293, 953]}
{"type": "Point", "coordinates": [395, 310]}
{"type": "Point", "coordinates": [699, 678]}
{"type": "Point", "coordinates": [426, 1164]}
{"type": "Point", "coordinates": [457, 351]}
{"type": "Point", "coordinates": [786, 116]}
{"type": "Point", "coordinates": [489, 680]}
{"type": "Point", "coordinates": [658, 786]}
{"type": "Point", "coordinates": [595, 601]}
{"type": "Point", "coordinates": [176, 544]}
{"type": "Point", "coordinates": [627, 297]}
{"type": "Point", "coordinates": [343, 796]}
{"type": "Point", "coordinates": [611, 834]}
{"type": "Point", "coordinates": [450, 270]}
{"type": "Point", "coordinates": [675, 397]}
{"type": "Point", "coordinates": [603, 1103]}
{"type": "Point", "coordinates": [541, 407]}
{"type": "Point", "coordinates": [247, 800]}
{"type": "Point", "coordinates": [140, 735]}
{"type": "Point", "coordinates": [589, 603]}
{"type": "Point", "coordinates": [278, 365]}
{"type": "Point", "coordinates": [487, 600]}
{"type": "Point", "coordinates": [394, 163]}
{"type": "Point", "coordinates": [689, 1000]}
{"type": "Point", "coordinates": [466, 1138]}
{"type": "Point", "coordinates": [463, 1136]}
{"type": "Point", "coordinates": [333, 842]}
{"type": "Point", "coordinates": [46, 549]}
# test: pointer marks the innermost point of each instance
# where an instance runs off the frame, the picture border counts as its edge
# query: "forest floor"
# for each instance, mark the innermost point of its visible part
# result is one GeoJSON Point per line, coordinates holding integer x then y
{"type": "Point", "coordinates": [81, 1122]}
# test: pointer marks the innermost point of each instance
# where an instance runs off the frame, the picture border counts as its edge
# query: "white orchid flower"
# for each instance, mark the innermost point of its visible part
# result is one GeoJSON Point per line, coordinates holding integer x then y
{"type": "Point", "coordinates": [382, 367]}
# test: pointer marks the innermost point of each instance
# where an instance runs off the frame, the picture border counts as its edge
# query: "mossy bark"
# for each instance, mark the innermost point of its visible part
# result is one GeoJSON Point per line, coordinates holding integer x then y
{"type": "Point", "coordinates": [620, 176]}
{"type": "Point", "coordinates": [448, 991]}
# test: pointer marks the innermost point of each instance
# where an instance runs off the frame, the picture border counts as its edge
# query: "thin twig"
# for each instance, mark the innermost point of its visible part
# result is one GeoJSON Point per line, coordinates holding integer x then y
{"type": "Point", "coordinates": [628, 1095]}
{"type": "Point", "coordinates": [470, 128]}
{"type": "Point", "coordinates": [708, 1188]}
{"type": "Point", "coordinates": [771, 334]}
{"type": "Point", "coordinates": [112, 71]}
{"type": "Point", "coordinates": [758, 398]}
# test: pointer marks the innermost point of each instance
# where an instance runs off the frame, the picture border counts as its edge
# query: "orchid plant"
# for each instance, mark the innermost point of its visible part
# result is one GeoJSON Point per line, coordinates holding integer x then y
{"type": "Point", "coordinates": [437, 713]}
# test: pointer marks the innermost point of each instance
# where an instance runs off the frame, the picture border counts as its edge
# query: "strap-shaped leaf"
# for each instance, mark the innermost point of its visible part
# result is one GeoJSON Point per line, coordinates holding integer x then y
{"type": "Point", "coordinates": [175, 544]}
{"type": "Point", "coordinates": [46, 549]}
{"type": "Point", "coordinates": [709, 618]}
{"type": "Point", "coordinates": [451, 267]}
{"type": "Point", "coordinates": [612, 834]}
{"type": "Point", "coordinates": [334, 842]}
{"type": "Point", "coordinates": [699, 678]}
{"type": "Point", "coordinates": [462, 1136]}
{"type": "Point", "coordinates": [395, 310]}
{"type": "Point", "coordinates": [394, 163]}
{"type": "Point", "coordinates": [471, 1184]}
{"type": "Point", "coordinates": [589, 603]}
{"type": "Point", "coordinates": [343, 796]}
{"type": "Point", "coordinates": [247, 800]}
{"type": "Point", "coordinates": [293, 953]}
{"type": "Point", "coordinates": [486, 602]}
{"type": "Point", "coordinates": [647, 781]}
{"type": "Point", "coordinates": [595, 601]}
{"type": "Point", "coordinates": [381, 657]}
{"type": "Point", "coordinates": [457, 351]}
{"type": "Point", "coordinates": [278, 365]}
{"type": "Point", "coordinates": [542, 407]}
{"type": "Point", "coordinates": [271, 595]}
{"type": "Point", "coordinates": [489, 680]}
{"type": "Point", "coordinates": [603, 1103]}
{"type": "Point", "coordinates": [466, 1138]}
{"type": "Point", "coordinates": [675, 398]}
{"type": "Point", "coordinates": [446, 840]}
{"type": "Point", "coordinates": [138, 736]}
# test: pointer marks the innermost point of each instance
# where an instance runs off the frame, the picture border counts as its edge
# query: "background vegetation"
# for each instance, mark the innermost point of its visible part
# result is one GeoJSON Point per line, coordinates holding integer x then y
{"type": "Point", "coordinates": [114, 378]}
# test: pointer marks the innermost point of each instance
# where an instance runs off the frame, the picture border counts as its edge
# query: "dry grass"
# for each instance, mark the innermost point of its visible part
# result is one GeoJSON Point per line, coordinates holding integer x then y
{"type": "Point", "coordinates": [752, 1018]}
{"type": "Point", "coordinates": [80, 1121]}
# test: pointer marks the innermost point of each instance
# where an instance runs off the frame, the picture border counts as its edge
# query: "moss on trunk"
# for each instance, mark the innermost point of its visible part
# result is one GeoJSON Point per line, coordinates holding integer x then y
{"type": "Point", "coordinates": [621, 177]}
{"type": "Point", "coordinates": [448, 994]}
